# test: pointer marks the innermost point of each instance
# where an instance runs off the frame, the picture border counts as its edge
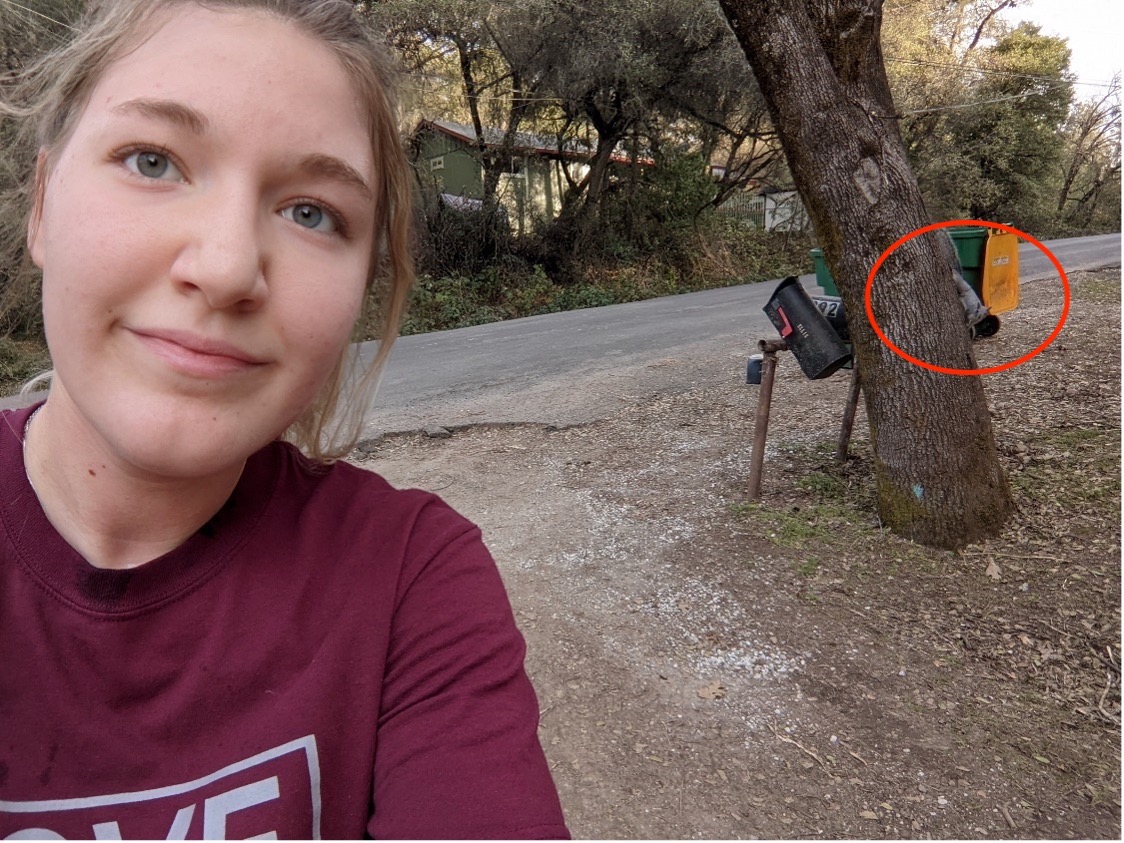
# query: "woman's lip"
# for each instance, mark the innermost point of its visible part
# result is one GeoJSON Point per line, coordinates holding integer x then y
{"type": "Point", "coordinates": [197, 355]}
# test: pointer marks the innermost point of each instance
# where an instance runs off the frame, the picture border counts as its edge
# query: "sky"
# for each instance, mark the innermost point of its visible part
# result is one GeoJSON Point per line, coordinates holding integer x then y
{"type": "Point", "coordinates": [1093, 28]}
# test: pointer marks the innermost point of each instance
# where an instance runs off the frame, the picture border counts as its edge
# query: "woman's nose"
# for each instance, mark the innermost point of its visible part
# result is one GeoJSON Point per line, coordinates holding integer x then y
{"type": "Point", "coordinates": [223, 258]}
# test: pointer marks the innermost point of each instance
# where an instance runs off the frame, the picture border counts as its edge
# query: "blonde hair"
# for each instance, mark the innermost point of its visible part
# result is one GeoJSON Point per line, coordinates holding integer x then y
{"type": "Point", "coordinates": [53, 92]}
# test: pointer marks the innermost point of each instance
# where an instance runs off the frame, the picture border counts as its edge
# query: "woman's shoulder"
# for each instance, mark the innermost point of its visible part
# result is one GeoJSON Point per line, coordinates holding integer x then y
{"type": "Point", "coordinates": [352, 493]}
{"type": "Point", "coordinates": [367, 527]}
{"type": "Point", "coordinates": [335, 477]}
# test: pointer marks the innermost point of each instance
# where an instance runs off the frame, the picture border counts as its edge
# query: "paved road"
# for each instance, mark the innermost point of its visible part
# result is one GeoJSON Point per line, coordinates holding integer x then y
{"type": "Point", "coordinates": [571, 367]}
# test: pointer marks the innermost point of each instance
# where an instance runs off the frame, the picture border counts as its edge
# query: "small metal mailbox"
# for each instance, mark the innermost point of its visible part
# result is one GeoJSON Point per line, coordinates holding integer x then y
{"type": "Point", "coordinates": [814, 343]}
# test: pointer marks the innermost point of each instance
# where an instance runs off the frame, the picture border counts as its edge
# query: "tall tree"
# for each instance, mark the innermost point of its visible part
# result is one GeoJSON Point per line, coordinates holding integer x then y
{"type": "Point", "coordinates": [643, 79]}
{"type": "Point", "coordinates": [712, 107]}
{"type": "Point", "coordinates": [1092, 159]}
{"type": "Point", "coordinates": [982, 104]}
{"type": "Point", "coordinates": [820, 68]}
{"type": "Point", "coordinates": [1010, 135]}
{"type": "Point", "coordinates": [638, 76]}
{"type": "Point", "coordinates": [490, 48]}
{"type": "Point", "coordinates": [937, 57]}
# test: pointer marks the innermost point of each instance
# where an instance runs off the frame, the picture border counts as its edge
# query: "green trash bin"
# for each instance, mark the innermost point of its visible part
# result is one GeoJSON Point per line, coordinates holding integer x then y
{"type": "Point", "coordinates": [971, 249]}
{"type": "Point", "coordinates": [823, 274]}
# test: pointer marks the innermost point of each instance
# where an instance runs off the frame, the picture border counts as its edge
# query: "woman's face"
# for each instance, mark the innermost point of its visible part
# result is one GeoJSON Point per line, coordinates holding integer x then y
{"type": "Point", "coordinates": [205, 236]}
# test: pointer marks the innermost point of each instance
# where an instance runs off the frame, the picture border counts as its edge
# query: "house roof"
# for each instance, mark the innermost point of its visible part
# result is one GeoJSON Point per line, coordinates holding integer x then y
{"type": "Point", "coordinates": [493, 138]}
{"type": "Point", "coordinates": [525, 143]}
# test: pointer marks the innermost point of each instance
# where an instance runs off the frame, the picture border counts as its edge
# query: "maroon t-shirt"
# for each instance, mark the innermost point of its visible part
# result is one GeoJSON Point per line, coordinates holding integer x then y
{"type": "Point", "coordinates": [327, 657]}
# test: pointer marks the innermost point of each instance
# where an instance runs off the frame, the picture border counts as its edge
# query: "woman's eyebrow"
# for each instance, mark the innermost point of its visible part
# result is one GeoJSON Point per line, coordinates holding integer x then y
{"type": "Point", "coordinates": [174, 112]}
{"type": "Point", "coordinates": [328, 166]}
{"type": "Point", "coordinates": [316, 165]}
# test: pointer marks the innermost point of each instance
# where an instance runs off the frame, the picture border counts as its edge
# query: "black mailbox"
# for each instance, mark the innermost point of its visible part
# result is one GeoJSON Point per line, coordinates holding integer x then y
{"type": "Point", "coordinates": [817, 347]}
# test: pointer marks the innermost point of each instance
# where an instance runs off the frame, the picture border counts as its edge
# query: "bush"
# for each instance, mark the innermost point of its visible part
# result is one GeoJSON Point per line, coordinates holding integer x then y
{"type": "Point", "coordinates": [721, 252]}
{"type": "Point", "coordinates": [461, 239]}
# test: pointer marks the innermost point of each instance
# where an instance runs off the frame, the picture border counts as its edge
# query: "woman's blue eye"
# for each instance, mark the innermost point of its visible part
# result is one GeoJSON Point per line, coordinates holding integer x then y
{"type": "Point", "coordinates": [153, 165]}
{"type": "Point", "coordinates": [310, 216]}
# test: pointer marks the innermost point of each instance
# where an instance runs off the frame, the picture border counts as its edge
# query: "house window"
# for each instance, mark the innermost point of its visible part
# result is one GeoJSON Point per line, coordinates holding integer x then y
{"type": "Point", "coordinates": [437, 163]}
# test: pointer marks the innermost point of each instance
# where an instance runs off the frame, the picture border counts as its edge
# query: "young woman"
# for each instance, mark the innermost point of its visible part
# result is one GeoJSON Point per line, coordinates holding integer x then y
{"type": "Point", "coordinates": [206, 631]}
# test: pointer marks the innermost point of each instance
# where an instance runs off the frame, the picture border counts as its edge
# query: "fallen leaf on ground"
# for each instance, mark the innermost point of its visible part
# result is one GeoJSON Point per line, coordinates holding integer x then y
{"type": "Point", "coordinates": [714, 691]}
{"type": "Point", "coordinates": [992, 571]}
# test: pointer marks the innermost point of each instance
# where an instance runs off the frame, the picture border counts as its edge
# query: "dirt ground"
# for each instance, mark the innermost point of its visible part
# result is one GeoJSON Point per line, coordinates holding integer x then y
{"type": "Point", "coordinates": [713, 668]}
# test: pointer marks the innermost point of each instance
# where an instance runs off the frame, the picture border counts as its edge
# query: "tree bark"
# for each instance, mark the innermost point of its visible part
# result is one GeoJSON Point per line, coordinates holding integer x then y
{"type": "Point", "coordinates": [819, 65]}
{"type": "Point", "coordinates": [471, 92]}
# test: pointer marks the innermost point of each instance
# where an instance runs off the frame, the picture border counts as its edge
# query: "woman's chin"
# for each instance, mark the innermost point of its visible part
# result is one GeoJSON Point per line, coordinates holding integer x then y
{"type": "Point", "coordinates": [171, 443]}
{"type": "Point", "coordinates": [177, 458]}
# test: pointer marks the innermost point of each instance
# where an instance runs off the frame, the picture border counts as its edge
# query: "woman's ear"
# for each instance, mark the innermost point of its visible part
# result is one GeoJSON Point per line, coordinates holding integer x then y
{"type": "Point", "coordinates": [35, 219]}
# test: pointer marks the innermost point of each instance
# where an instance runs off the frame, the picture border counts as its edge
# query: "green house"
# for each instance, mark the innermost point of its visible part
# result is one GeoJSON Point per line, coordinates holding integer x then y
{"type": "Point", "coordinates": [447, 160]}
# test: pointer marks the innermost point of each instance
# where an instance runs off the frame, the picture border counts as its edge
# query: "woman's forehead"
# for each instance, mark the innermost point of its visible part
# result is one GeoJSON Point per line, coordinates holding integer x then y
{"type": "Point", "coordinates": [242, 70]}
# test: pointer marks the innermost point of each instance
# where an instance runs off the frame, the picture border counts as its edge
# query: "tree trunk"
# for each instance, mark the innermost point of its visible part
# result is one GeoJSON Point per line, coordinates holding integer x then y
{"type": "Point", "coordinates": [471, 93]}
{"type": "Point", "coordinates": [574, 227]}
{"type": "Point", "coordinates": [819, 66]}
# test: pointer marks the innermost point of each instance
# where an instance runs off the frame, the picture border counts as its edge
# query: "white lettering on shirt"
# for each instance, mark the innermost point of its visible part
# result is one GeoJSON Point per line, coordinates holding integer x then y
{"type": "Point", "coordinates": [288, 794]}
{"type": "Point", "coordinates": [218, 808]}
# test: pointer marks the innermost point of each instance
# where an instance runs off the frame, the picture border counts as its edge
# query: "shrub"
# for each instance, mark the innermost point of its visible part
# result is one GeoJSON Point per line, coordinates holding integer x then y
{"type": "Point", "coordinates": [722, 252]}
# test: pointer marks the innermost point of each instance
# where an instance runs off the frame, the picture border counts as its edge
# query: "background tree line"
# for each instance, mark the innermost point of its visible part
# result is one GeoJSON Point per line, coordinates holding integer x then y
{"type": "Point", "coordinates": [993, 122]}
{"type": "Point", "coordinates": [994, 125]}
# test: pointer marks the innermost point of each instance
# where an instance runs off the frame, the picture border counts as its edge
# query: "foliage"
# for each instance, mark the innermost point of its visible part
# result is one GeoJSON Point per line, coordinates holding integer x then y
{"type": "Point", "coordinates": [460, 241]}
{"type": "Point", "coordinates": [486, 50]}
{"type": "Point", "coordinates": [1089, 196]}
{"type": "Point", "coordinates": [1011, 137]}
{"type": "Point", "coordinates": [983, 112]}
{"type": "Point", "coordinates": [641, 79]}
{"type": "Point", "coordinates": [674, 192]}
{"type": "Point", "coordinates": [991, 122]}
{"type": "Point", "coordinates": [655, 78]}
{"type": "Point", "coordinates": [653, 211]}
{"type": "Point", "coordinates": [723, 253]}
